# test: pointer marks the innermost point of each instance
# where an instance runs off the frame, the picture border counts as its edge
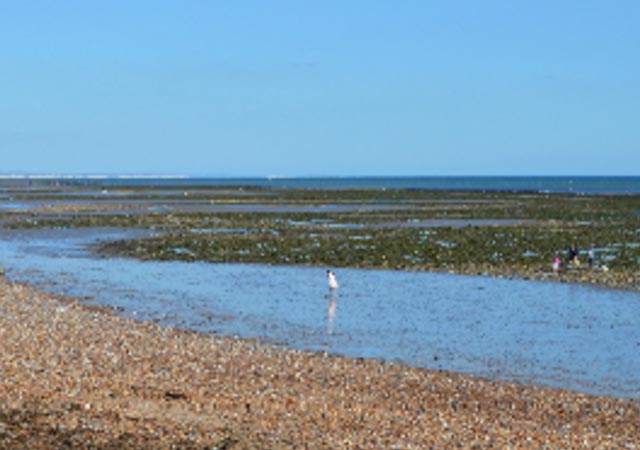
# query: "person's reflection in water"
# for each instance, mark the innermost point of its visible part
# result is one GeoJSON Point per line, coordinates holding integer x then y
{"type": "Point", "coordinates": [331, 310]}
{"type": "Point", "coordinates": [332, 298]}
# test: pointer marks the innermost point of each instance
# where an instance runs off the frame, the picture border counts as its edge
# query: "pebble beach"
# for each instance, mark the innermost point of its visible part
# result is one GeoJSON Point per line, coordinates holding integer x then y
{"type": "Point", "coordinates": [73, 376]}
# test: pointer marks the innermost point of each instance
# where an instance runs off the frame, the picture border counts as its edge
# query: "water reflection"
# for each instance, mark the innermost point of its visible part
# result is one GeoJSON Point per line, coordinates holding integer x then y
{"type": "Point", "coordinates": [332, 298]}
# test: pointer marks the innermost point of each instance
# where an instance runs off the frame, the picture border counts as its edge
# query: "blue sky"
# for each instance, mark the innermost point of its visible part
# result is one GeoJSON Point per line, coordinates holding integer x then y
{"type": "Point", "coordinates": [253, 88]}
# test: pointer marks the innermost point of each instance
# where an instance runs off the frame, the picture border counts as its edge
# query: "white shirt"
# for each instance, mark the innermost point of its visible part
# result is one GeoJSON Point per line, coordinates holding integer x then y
{"type": "Point", "coordinates": [333, 283]}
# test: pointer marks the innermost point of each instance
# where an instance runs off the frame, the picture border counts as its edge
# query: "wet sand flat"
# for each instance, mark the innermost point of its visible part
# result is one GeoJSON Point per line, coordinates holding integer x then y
{"type": "Point", "coordinates": [77, 377]}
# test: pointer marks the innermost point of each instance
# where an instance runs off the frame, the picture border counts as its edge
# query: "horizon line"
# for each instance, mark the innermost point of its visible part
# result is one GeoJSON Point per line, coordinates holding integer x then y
{"type": "Point", "coordinates": [89, 175]}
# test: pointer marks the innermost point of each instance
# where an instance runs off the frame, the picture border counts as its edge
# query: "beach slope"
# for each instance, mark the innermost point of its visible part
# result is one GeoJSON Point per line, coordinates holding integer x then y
{"type": "Point", "coordinates": [73, 376]}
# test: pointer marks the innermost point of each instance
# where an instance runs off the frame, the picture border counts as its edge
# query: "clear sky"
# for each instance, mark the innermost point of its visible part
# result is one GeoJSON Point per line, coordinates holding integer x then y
{"type": "Point", "coordinates": [349, 87]}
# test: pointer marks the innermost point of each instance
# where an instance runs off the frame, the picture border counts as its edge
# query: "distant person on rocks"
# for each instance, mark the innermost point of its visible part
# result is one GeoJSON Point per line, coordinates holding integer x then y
{"type": "Point", "coordinates": [591, 254]}
{"type": "Point", "coordinates": [573, 256]}
{"type": "Point", "coordinates": [556, 264]}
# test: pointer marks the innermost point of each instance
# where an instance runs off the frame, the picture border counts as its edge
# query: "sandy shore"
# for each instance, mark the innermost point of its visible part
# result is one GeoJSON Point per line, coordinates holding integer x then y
{"type": "Point", "coordinates": [76, 377]}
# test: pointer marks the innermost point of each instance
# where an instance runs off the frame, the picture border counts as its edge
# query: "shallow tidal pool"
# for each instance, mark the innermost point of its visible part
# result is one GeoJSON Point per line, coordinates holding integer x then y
{"type": "Point", "coordinates": [554, 334]}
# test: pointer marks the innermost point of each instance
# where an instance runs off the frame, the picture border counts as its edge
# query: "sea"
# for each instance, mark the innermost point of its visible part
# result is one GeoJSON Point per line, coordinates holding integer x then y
{"type": "Point", "coordinates": [582, 185]}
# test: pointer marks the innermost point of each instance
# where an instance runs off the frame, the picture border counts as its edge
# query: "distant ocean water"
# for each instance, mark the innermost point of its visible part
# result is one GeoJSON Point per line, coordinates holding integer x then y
{"type": "Point", "coordinates": [550, 184]}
